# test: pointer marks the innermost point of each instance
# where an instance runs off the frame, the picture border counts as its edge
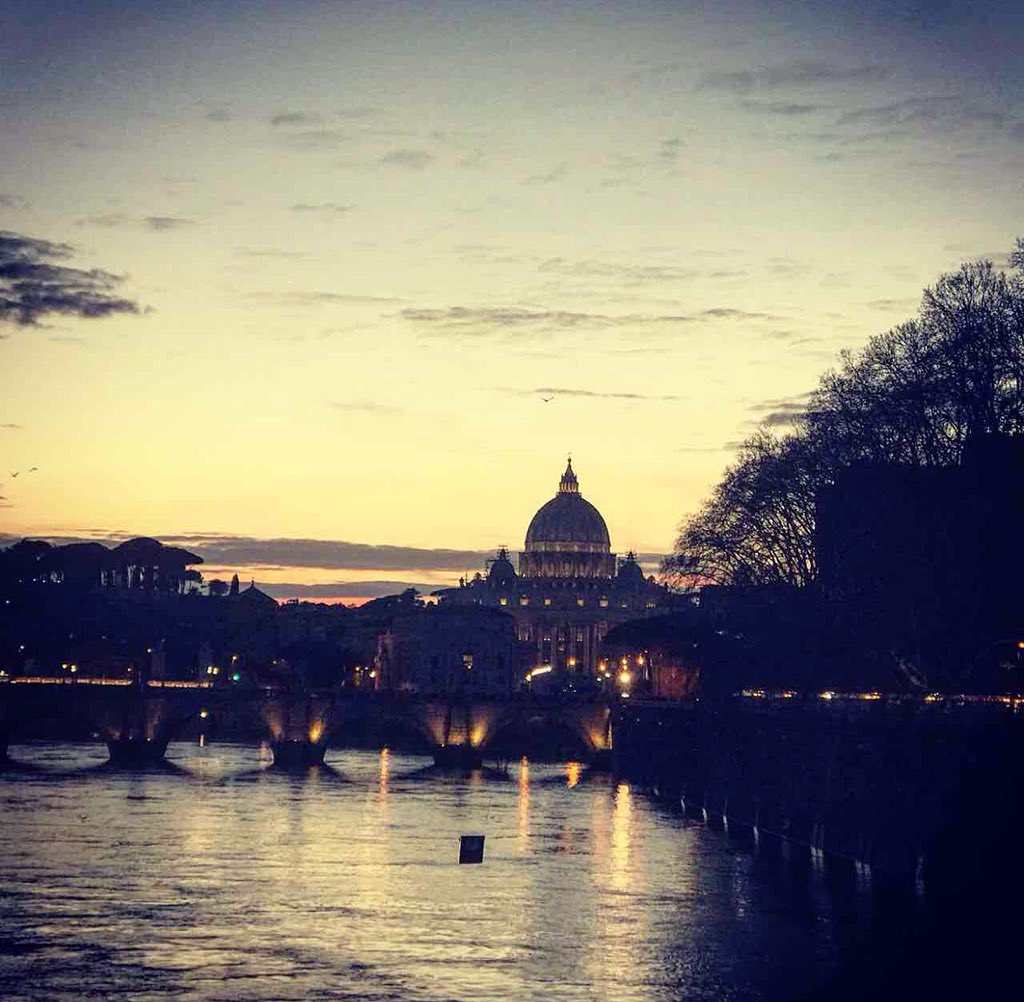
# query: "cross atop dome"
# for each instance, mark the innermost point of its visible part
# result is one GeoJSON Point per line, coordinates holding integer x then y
{"type": "Point", "coordinates": [569, 484]}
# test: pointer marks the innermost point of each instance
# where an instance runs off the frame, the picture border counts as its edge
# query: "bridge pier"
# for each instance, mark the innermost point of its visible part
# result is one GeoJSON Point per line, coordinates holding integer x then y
{"type": "Point", "coordinates": [458, 757]}
{"type": "Point", "coordinates": [131, 752]}
{"type": "Point", "coordinates": [297, 753]}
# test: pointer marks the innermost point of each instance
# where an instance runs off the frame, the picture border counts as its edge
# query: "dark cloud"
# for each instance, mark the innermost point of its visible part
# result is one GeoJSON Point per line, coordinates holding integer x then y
{"type": "Point", "coordinates": [11, 427]}
{"type": "Point", "coordinates": [345, 589]}
{"type": "Point", "coordinates": [782, 412]}
{"type": "Point", "coordinates": [943, 113]}
{"type": "Point", "coordinates": [294, 118]}
{"type": "Point", "coordinates": [562, 391]}
{"type": "Point", "coordinates": [800, 73]}
{"type": "Point", "coordinates": [787, 109]}
{"type": "Point", "coordinates": [162, 224]}
{"type": "Point", "coordinates": [915, 109]}
{"type": "Point", "coordinates": [322, 208]}
{"type": "Point", "coordinates": [233, 551]}
{"type": "Point", "coordinates": [9, 201]}
{"type": "Point", "coordinates": [407, 158]}
{"type": "Point", "coordinates": [34, 287]}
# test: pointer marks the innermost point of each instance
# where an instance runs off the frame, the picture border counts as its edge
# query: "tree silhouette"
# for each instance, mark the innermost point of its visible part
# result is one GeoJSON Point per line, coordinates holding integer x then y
{"type": "Point", "coordinates": [917, 394]}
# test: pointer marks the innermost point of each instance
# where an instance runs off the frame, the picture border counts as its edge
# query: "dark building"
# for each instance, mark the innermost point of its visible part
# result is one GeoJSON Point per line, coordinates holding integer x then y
{"type": "Point", "coordinates": [926, 561]}
{"type": "Point", "coordinates": [448, 649]}
{"type": "Point", "coordinates": [569, 589]}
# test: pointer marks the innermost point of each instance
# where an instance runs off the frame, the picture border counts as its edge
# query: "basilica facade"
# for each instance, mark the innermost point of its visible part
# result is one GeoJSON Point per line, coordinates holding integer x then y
{"type": "Point", "coordinates": [569, 588]}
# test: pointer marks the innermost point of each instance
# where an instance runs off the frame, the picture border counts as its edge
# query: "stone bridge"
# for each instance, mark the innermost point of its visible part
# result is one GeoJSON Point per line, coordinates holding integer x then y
{"type": "Point", "coordinates": [139, 720]}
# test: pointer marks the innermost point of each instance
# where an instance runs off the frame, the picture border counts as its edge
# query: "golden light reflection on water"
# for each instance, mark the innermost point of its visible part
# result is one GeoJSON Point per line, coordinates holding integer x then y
{"type": "Point", "coordinates": [385, 764]}
{"type": "Point", "coordinates": [572, 773]}
{"type": "Point", "coordinates": [621, 817]}
{"type": "Point", "coordinates": [523, 807]}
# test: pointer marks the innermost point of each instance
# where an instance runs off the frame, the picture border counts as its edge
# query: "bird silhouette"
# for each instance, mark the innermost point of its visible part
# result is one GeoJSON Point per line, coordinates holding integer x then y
{"type": "Point", "coordinates": [32, 469]}
{"type": "Point", "coordinates": [546, 399]}
{"type": "Point", "coordinates": [13, 475]}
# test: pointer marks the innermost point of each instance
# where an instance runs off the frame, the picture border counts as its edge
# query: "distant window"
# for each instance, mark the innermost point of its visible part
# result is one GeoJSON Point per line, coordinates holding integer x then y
{"type": "Point", "coordinates": [547, 601]}
{"type": "Point", "coordinates": [603, 603]}
{"type": "Point", "coordinates": [651, 605]}
{"type": "Point", "coordinates": [503, 600]}
{"type": "Point", "coordinates": [579, 636]}
{"type": "Point", "coordinates": [467, 662]}
{"type": "Point", "coordinates": [581, 602]}
{"type": "Point", "coordinates": [524, 600]}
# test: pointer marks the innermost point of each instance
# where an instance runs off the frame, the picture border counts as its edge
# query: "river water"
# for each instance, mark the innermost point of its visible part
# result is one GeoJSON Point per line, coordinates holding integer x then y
{"type": "Point", "coordinates": [221, 879]}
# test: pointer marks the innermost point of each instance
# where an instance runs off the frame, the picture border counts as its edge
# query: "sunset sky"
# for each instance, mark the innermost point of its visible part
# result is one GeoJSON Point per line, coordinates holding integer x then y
{"type": "Point", "coordinates": [347, 249]}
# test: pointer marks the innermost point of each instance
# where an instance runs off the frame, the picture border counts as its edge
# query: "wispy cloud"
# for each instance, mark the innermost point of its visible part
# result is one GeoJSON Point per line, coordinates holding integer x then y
{"type": "Point", "coordinates": [316, 297]}
{"type": "Point", "coordinates": [322, 208]}
{"type": "Point", "coordinates": [630, 274]}
{"type": "Point", "coordinates": [364, 406]}
{"type": "Point", "coordinates": [668, 151]}
{"type": "Point", "coordinates": [786, 109]}
{"type": "Point", "coordinates": [550, 177]}
{"type": "Point", "coordinates": [294, 118]}
{"type": "Point", "coordinates": [163, 224]}
{"type": "Point", "coordinates": [564, 391]}
{"type": "Point", "coordinates": [11, 427]}
{"type": "Point", "coordinates": [8, 201]}
{"type": "Point", "coordinates": [407, 158]}
{"type": "Point", "coordinates": [34, 287]}
{"type": "Point", "coordinates": [116, 220]}
{"type": "Point", "coordinates": [806, 73]}
{"type": "Point", "coordinates": [272, 252]}
{"type": "Point", "coordinates": [480, 321]}
{"type": "Point", "coordinates": [782, 412]}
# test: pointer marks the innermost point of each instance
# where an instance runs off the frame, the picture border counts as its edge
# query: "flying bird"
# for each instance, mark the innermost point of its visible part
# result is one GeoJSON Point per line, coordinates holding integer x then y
{"type": "Point", "coordinates": [546, 399]}
{"type": "Point", "coordinates": [32, 469]}
{"type": "Point", "coordinates": [13, 475]}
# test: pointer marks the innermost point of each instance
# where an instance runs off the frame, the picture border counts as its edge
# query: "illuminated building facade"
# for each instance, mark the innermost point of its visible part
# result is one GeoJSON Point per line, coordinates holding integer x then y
{"type": "Point", "coordinates": [569, 589]}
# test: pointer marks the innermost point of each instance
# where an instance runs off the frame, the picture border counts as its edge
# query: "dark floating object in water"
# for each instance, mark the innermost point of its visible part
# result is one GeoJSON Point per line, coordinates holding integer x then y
{"type": "Point", "coordinates": [471, 849]}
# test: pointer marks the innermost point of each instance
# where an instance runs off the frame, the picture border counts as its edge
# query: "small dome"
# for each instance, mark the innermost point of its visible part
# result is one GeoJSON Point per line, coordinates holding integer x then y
{"type": "Point", "coordinates": [502, 572]}
{"type": "Point", "coordinates": [630, 572]}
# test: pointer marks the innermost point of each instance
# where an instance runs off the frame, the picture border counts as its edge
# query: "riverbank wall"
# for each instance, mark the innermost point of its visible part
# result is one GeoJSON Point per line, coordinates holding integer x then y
{"type": "Point", "coordinates": [903, 788]}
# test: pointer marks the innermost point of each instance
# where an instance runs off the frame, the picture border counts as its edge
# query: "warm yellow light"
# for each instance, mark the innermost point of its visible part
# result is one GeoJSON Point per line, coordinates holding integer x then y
{"type": "Point", "coordinates": [204, 714]}
{"type": "Point", "coordinates": [826, 695]}
{"type": "Point", "coordinates": [572, 662]}
{"type": "Point", "coordinates": [373, 674]}
{"type": "Point", "coordinates": [640, 661]}
{"type": "Point", "coordinates": [625, 677]}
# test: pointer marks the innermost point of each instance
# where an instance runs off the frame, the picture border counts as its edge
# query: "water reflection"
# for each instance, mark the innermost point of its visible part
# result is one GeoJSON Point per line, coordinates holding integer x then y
{"type": "Point", "coordinates": [621, 815]}
{"type": "Point", "coordinates": [247, 884]}
{"type": "Point", "coordinates": [523, 807]}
